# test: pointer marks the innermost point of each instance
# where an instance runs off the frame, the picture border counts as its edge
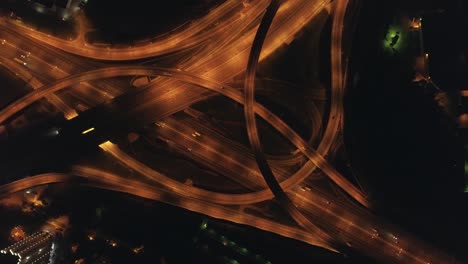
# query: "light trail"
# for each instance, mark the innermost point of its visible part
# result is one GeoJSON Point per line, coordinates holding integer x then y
{"type": "Point", "coordinates": [345, 222]}
{"type": "Point", "coordinates": [87, 131]}
{"type": "Point", "coordinates": [315, 157]}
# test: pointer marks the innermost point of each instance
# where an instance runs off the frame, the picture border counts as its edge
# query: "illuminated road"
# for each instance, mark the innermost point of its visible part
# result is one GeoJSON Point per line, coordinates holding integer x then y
{"type": "Point", "coordinates": [34, 83]}
{"type": "Point", "coordinates": [365, 232]}
{"type": "Point", "coordinates": [383, 241]}
{"type": "Point", "coordinates": [47, 65]}
{"type": "Point", "coordinates": [224, 45]}
{"type": "Point", "coordinates": [301, 21]}
{"type": "Point", "coordinates": [287, 159]}
{"type": "Point", "coordinates": [228, 58]}
{"type": "Point", "coordinates": [230, 66]}
{"type": "Point", "coordinates": [211, 150]}
{"type": "Point", "coordinates": [241, 172]}
{"type": "Point", "coordinates": [145, 71]}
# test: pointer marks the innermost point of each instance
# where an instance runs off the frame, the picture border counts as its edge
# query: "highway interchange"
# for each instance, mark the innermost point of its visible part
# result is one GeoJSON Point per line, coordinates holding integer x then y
{"type": "Point", "coordinates": [230, 40]}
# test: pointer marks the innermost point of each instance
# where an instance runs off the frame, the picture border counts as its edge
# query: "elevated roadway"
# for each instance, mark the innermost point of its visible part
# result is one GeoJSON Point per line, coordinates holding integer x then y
{"type": "Point", "coordinates": [359, 229]}
{"type": "Point", "coordinates": [315, 157]}
{"type": "Point", "coordinates": [220, 19]}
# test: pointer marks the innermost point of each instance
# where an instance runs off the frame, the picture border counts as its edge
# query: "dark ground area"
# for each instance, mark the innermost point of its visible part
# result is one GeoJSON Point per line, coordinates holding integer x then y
{"type": "Point", "coordinates": [405, 147]}
{"type": "Point", "coordinates": [123, 21]}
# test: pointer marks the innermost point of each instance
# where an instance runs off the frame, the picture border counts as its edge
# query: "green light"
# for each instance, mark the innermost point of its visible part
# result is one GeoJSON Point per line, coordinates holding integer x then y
{"type": "Point", "coordinates": [243, 251]}
{"type": "Point", "coordinates": [466, 168]}
{"type": "Point", "coordinates": [204, 225]}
